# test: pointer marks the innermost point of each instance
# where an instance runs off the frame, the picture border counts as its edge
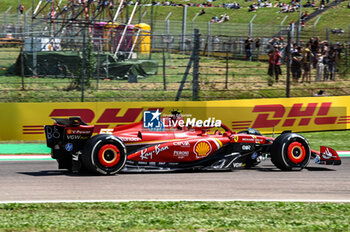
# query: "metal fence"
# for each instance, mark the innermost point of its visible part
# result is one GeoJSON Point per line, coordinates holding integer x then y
{"type": "Point", "coordinates": [208, 66]}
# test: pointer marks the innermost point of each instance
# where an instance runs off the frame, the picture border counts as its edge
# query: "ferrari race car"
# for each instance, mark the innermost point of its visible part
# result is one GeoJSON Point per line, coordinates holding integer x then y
{"type": "Point", "coordinates": [134, 148]}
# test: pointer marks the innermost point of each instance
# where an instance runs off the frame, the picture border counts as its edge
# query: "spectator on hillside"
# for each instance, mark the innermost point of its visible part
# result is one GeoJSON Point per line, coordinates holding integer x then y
{"type": "Point", "coordinates": [293, 48]}
{"type": "Point", "coordinates": [268, 4]}
{"type": "Point", "coordinates": [320, 93]}
{"type": "Point", "coordinates": [337, 31]}
{"type": "Point", "coordinates": [307, 57]}
{"type": "Point", "coordinates": [319, 65]}
{"type": "Point", "coordinates": [297, 58]}
{"type": "Point", "coordinates": [330, 62]}
{"type": "Point", "coordinates": [257, 44]}
{"type": "Point", "coordinates": [303, 18]}
{"type": "Point", "coordinates": [253, 7]}
{"type": "Point", "coordinates": [248, 48]}
{"type": "Point", "coordinates": [223, 18]}
{"type": "Point", "coordinates": [202, 12]}
{"type": "Point", "coordinates": [309, 4]}
{"type": "Point", "coordinates": [338, 49]}
{"type": "Point", "coordinates": [272, 42]}
{"type": "Point", "coordinates": [274, 63]}
{"type": "Point", "coordinates": [282, 47]}
{"type": "Point", "coordinates": [314, 50]}
{"type": "Point", "coordinates": [214, 19]}
{"type": "Point", "coordinates": [349, 5]}
{"type": "Point", "coordinates": [21, 8]}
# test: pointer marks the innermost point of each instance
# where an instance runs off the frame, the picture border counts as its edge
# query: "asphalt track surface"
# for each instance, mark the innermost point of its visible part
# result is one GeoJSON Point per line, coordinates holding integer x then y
{"type": "Point", "coordinates": [41, 181]}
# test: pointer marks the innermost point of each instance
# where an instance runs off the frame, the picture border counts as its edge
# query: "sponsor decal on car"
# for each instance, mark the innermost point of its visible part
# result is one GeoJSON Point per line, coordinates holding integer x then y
{"type": "Point", "coordinates": [237, 165]}
{"type": "Point", "coordinates": [52, 132]}
{"type": "Point", "coordinates": [72, 137]}
{"type": "Point", "coordinates": [69, 147]}
{"type": "Point", "coordinates": [145, 154]}
{"type": "Point", "coordinates": [182, 144]}
{"type": "Point", "coordinates": [181, 154]}
{"type": "Point", "coordinates": [78, 132]}
{"type": "Point", "coordinates": [130, 139]}
{"type": "Point", "coordinates": [246, 147]}
{"type": "Point", "coordinates": [202, 148]}
{"type": "Point", "coordinates": [106, 131]}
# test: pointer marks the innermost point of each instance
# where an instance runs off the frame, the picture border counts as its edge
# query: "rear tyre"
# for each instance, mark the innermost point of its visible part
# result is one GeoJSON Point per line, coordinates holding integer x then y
{"type": "Point", "coordinates": [290, 152]}
{"type": "Point", "coordinates": [104, 154]}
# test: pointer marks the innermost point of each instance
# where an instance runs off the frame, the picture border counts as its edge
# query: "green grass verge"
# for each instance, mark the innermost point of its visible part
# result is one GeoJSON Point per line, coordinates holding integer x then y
{"type": "Point", "coordinates": [176, 216]}
{"type": "Point", "coordinates": [245, 80]}
{"type": "Point", "coordinates": [266, 23]}
{"type": "Point", "coordinates": [337, 140]}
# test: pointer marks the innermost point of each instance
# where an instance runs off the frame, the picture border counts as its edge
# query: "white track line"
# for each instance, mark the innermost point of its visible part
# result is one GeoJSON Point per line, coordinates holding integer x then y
{"type": "Point", "coordinates": [24, 157]}
{"type": "Point", "coordinates": [188, 200]}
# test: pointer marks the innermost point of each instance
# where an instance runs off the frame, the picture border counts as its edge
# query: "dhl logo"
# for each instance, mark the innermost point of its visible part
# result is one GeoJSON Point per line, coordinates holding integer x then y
{"type": "Point", "coordinates": [108, 117]}
{"type": "Point", "coordinates": [300, 114]}
{"type": "Point", "coordinates": [106, 120]}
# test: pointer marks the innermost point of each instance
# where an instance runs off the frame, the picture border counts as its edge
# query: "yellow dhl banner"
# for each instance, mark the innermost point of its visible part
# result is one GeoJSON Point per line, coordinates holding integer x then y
{"type": "Point", "coordinates": [25, 121]}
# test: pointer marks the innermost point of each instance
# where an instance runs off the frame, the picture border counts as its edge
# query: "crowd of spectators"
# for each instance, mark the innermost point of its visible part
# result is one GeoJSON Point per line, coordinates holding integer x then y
{"type": "Point", "coordinates": [208, 3]}
{"type": "Point", "coordinates": [313, 54]}
{"type": "Point", "coordinates": [221, 19]}
{"type": "Point", "coordinates": [292, 6]}
{"type": "Point", "coordinates": [316, 54]}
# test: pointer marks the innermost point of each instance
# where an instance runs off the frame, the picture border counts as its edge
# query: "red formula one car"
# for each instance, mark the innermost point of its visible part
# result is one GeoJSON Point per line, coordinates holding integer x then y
{"type": "Point", "coordinates": [135, 148]}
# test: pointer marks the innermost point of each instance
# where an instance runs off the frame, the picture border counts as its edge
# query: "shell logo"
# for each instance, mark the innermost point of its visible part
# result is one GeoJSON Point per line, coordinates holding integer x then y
{"type": "Point", "coordinates": [69, 131]}
{"type": "Point", "coordinates": [202, 148]}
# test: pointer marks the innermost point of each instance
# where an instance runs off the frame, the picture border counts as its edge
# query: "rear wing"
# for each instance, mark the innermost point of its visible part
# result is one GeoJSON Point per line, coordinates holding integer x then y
{"type": "Point", "coordinates": [68, 133]}
{"type": "Point", "coordinates": [72, 121]}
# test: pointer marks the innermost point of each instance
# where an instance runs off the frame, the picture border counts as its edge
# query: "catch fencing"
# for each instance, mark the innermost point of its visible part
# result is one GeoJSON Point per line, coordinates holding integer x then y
{"type": "Point", "coordinates": [197, 66]}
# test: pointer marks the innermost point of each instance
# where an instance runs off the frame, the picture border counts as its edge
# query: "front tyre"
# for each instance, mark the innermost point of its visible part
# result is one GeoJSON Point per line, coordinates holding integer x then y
{"type": "Point", "coordinates": [104, 154]}
{"type": "Point", "coordinates": [290, 152]}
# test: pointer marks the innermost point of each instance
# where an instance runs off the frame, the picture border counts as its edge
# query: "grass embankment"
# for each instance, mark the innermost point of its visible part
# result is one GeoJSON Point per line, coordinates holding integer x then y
{"type": "Point", "coordinates": [337, 140]}
{"type": "Point", "coordinates": [333, 18]}
{"type": "Point", "coordinates": [176, 216]}
{"type": "Point", "coordinates": [337, 17]}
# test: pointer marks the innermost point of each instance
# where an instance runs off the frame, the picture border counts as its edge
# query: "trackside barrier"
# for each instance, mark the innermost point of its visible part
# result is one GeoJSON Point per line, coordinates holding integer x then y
{"type": "Point", "coordinates": [24, 121]}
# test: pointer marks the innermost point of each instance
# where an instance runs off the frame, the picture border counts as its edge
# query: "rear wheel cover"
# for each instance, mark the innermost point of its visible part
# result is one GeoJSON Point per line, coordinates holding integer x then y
{"type": "Point", "coordinates": [104, 154]}
{"type": "Point", "coordinates": [109, 155]}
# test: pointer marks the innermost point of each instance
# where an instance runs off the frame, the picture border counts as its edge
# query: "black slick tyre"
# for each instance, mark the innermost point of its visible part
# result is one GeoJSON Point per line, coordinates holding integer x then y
{"type": "Point", "coordinates": [290, 152]}
{"type": "Point", "coordinates": [104, 154]}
